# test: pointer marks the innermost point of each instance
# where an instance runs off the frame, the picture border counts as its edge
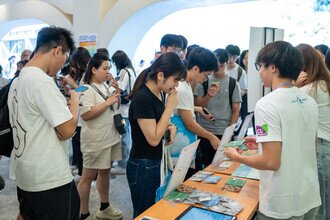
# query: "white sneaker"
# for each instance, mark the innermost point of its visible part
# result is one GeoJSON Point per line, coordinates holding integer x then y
{"type": "Point", "coordinates": [109, 213]}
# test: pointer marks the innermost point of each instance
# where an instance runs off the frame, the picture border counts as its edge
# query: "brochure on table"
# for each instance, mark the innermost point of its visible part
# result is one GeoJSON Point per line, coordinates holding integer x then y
{"type": "Point", "coordinates": [245, 126]}
{"type": "Point", "coordinates": [181, 167]}
{"type": "Point", "coordinates": [246, 172]}
{"type": "Point", "coordinates": [219, 156]}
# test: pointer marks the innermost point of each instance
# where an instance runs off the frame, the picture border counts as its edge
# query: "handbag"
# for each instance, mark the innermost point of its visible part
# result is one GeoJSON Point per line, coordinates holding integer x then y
{"type": "Point", "coordinates": [119, 123]}
{"type": "Point", "coordinates": [117, 117]}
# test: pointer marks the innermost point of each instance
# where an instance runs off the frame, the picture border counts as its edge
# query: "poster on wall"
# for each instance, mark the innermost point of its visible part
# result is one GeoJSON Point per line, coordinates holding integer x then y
{"type": "Point", "coordinates": [89, 42]}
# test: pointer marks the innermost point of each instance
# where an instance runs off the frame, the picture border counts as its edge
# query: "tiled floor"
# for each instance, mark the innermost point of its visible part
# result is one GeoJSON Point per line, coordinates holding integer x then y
{"type": "Point", "coordinates": [119, 194]}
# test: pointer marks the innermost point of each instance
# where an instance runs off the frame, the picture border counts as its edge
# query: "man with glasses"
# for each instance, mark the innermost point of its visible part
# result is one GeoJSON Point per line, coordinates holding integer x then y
{"type": "Point", "coordinates": [286, 124]}
{"type": "Point", "coordinates": [201, 64]}
{"type": "Point", "coordinates": [221, 96]}
{"type": "Point", "coordinates": [42, 123]}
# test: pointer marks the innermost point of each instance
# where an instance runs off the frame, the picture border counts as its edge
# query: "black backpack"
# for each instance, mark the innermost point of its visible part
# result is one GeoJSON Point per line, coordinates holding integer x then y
{"type": "Point", "coordinates": [6, 133]}
{"type": "Point", "coordinates": [232, 84]}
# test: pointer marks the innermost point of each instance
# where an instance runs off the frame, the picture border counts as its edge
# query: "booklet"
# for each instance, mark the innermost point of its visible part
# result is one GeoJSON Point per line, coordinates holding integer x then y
{"type": "Point", "coordinates": [234, 184]}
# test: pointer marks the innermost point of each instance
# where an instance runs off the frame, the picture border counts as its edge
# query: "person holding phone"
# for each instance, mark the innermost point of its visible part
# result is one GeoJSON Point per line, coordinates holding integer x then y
{"type": "Point", "coordinates": [221, 103]}
{"type": "Point", "coordinates": [149, 116]}
{"type": "Point", "coordinates": [43, 123]}
{"type": "Point", "coordinates": [100, 140]}
{"type": "Point", "coordinates": [126, 79]}
{"type": "Point", "coordinates": [201, 64]}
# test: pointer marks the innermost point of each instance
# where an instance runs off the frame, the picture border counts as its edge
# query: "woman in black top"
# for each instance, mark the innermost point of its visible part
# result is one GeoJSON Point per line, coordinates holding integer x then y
{"type": "Point", "coordinates": [149, 118]}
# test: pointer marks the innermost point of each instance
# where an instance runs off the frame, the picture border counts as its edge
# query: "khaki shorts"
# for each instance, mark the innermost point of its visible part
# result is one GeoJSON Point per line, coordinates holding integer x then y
{"type": "Point", "coordinates": [102, 159]}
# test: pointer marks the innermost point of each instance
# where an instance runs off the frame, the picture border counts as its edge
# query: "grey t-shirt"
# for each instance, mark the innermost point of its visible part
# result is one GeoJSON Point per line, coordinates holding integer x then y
{"type": "Point", "coordinates": [218, 106]}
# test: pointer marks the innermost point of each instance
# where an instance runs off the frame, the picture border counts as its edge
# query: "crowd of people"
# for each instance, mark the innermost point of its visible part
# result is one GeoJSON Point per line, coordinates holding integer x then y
{"type": "Point", "coordinates": [186, 91]}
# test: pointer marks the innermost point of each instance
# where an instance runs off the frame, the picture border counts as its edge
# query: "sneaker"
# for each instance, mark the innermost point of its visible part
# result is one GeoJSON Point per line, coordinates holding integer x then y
{"type": "Point", "coordinates": [109, 213]}
{"type": "Point", "coordinates": [90, 218]}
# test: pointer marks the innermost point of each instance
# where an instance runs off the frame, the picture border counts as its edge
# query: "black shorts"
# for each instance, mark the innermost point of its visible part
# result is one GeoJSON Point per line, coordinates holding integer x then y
{"type": "Point", "coordinates": [59, 203]}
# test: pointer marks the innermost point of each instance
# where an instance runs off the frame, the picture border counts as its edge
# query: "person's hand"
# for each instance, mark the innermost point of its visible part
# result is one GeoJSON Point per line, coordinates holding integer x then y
{"type": "Point", "coordinates": [112, 99]}
{"type": "Point", "coordinates": [231, 153]}
{"type": "Point", "coordinates": [67, 80]}
{"type": "Point", "coordinates": [172, 130]}
{"type": "Point", "coordinates": [250, 142]}
{"type": "Point", "coordinates": [115, 85]}
{"type": "Point", "coordinates": [213, 90]}
{"type": "Point", "coordinates": [301, 80]}
{"type": "Point", "coordinates": [215, 142]}
{"type": "Point", "coordinates": [209, 116]}
{"type": "Point", "coordinates": [172, 99]}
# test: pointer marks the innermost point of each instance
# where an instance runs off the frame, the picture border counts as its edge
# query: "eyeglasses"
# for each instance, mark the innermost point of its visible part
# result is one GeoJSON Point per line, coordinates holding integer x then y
{"type": "Point", "coordinates": [206, 76]}
{"type": "Point", "coordinates": [67, 55]}
{"type": "Point", "coordinates": [67, 61]}
{"type": "Point", "coordinates": [258, 66]}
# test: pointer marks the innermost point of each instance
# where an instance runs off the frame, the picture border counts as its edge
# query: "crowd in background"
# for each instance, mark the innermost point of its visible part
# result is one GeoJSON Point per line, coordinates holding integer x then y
{"type": "Point", "coordinates": [188, 91]}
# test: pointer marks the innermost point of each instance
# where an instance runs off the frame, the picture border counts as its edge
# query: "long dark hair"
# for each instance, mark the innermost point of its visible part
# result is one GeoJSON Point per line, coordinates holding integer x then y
{"type": "Point", "coordinates": [79, 60]}
{"type": "Point", "coordinates": [121, 61]}
{"type": "Point", "coordinates": [241, 58]}
{"type": "Point", "coordinates": [314, 67]}
{"type": "Point", "coordinates": [168, 63]}
{"type": "Point", "coordinates": [95, 62]}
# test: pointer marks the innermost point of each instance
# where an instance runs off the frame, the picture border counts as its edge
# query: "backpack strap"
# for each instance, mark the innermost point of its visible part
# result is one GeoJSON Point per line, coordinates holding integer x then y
{"type": "Point", "coordinates": [205, 86]}
{"type": "Point", "coordinates": [232, 84]}
{"type": "Point", "coordinates": [129, 80]}
{"type": "Point", "coordinates": [239, 73]}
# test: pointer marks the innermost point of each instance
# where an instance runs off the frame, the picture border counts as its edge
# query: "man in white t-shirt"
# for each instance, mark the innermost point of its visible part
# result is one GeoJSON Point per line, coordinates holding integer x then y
{"type": "Point", "coordinates": [42, 122]}
{"type": "Point", "coordinates": [234, 70]}
{"type": "Point", "coordinates": [201, 64]}
{"type": "Point", "coordinates": [286, 125]}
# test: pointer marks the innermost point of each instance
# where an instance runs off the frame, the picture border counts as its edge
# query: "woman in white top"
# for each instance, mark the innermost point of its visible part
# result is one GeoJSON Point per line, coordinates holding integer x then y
{"type": "Point", "coordinates": [100, 141]}
{"type": "Point", "coordinates": [126, 78]}
{"type": "Point", "coordinates": [315, 80]}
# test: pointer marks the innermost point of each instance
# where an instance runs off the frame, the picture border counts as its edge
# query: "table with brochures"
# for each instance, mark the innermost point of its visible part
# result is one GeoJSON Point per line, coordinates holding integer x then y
{"type": "Point", "coordinates": [248, 197]}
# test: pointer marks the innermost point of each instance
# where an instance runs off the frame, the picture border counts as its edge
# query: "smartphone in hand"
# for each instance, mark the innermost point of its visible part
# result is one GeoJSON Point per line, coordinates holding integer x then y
{"type": "Point", "coordinates": [81, 89]}
{"type": "Point", "coordinates": [206, 112]}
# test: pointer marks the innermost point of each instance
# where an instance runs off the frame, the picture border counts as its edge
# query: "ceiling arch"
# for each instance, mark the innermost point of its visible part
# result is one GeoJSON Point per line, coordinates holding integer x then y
{"type": "Point", "coordinates": [124, 30]}
{"type": "Point", "coordinates": [17, 13]}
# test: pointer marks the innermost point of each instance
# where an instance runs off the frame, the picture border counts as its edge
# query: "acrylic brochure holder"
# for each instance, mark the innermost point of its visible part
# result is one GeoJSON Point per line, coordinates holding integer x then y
{"type": "Point", "coordinates": [245, 126]}
{"type": "Point", "coordinates": [181, 167]}
{"type": "Point", "coordinates": [219, 156]}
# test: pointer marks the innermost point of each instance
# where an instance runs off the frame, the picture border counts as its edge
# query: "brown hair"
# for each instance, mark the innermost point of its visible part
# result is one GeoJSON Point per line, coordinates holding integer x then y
{"type": "Point", "coordinates": [314, 67]}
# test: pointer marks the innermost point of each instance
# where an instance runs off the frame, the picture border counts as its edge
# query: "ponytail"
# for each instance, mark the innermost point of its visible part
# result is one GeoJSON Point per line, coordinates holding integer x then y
{"type": "Point", "coordinates": [139, 82]}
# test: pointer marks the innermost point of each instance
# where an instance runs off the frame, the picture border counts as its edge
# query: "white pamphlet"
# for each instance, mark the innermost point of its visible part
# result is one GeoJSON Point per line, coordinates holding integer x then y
{"type": "Point", "coordinates": [219, 156]}
{"type": "Point", "coordinates": [181, 167]}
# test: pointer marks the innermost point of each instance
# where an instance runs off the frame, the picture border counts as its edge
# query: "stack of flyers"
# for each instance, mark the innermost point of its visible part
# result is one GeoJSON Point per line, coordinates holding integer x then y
{"type": "Point", "coordinates": [185, 189]}
{"type": "Point", "coordinates": [225, 165]}
{"type": "Point", "coordinates": [200, 176]}
{"type": "Point", "coordinates": [177, 196]}
{"type": "Point", "coordinates": [234, 184]}
{"type": "Point", "coordinates": [212, 179]}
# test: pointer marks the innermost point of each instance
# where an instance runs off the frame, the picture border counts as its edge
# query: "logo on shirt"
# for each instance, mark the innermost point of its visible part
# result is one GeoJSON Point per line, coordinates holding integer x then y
{"type": "Point", "coordinates": [299, 100]}
{"type": "Point", "coordinates": [262, 130]}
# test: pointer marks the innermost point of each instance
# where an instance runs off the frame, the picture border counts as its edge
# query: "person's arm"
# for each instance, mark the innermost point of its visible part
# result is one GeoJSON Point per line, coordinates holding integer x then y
{"type": "Point", "coordinates": [195, 128]}
{"type": "Point", "coordinates": [123, 81]}
{"type": "Point", "coordinates": [154, 132]}
{"type": "Point", "coordinates": [269, 159]}
{"type": "Point", "coordinates": [66, 130]}
{"type": "Point", "coordinates": [204, 100]}
{"type": "Point", "coordinates": [235, 112]}
{"type": "Point", "coordinates": [97, 110]}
